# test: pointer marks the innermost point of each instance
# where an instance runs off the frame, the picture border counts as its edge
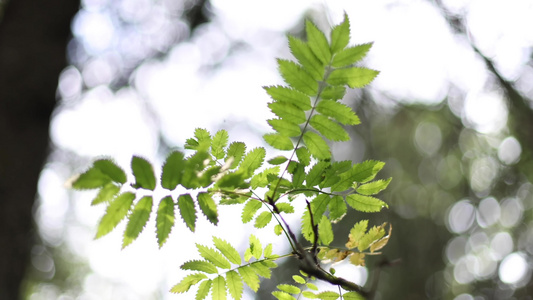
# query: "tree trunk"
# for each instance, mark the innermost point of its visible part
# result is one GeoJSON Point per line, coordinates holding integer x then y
{"type": "Point", "coordinates": [33, 40]}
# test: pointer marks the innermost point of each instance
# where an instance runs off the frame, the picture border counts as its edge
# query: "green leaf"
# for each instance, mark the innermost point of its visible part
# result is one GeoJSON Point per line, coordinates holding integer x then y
{"type": "Point", "coordinates": [202, 135]}
{"type": "Point", "coordinates": [263, 219]}
{"type": "Point", "coordinates": [367, 170]}
{"type": "Point", "coordinates": [282, 295]}
{"type": "Point", "coordinates": [267, 253]}
{"type": "Point", "coordinates": [232, 181]}
{"type": "Point", "coordinates": [234, 283]}
{"type": "Point", "coordinates": [278, 230]}
{"type": "Point", "coordinates": [309, 294]}
{"type": "Point", "coordinates": [305, 56]}
{"type": "Point", "coordinates": [235, 152]}
{"type": "Point", "coordinates": [340, 35]}
{"type": "Point", "coordinates": [365, 203]}
{"type": "Point", "coordinates": [299, 279]}
{"type": "Point", "coordinates": [262, 179]}
{"type": "Point", "coordinates": [354, 77]}
{"type": "Point", "coordinates": [109, 168]}
{"type": "Point", "coordinates": [203, 290]}
{"type": "Point", "coordinates": [328, 295]}
{"type": "Point", "coordinates": [213, 256]}
{"type": "Point", "coordinates": [295, 76]}
{"type": "Point", "coordinates": [307, 228]}
{"type": "Point", "coordinates": [356, 233]}
{"type": "Point", "coordinates": [373, 187]}
{"type": "Point", "coordinates": [319, 206]}
{"type": "Point", "coordinates": [288, 95]}
{"type": "Point", "coordinates": [288, 112]}
{"type": "Point", "coordinates": [285, 207]}
{"type": "Point", "coordinates": [143, 172]}
{"type": "Point", "coordinates": [106, 194]}
{"type": "Point", "coordinates": [186, 283]}
{"type": "Point", "coordinates": [227, 250]}
{"type": "Point", "coordinates": [187, 210]}
{"type": "Point", "coordinates": [352, 296]}
{"type": "Point", "coordinates": [316, 174]}
{"type": "Point", "coordinates": [285, 127]}
{"type": "Point", "coordinates": [220, 141]}
{"type": "Point", "coordinates": [340, 112]}
{"type": "Point", "coordinates": [91, 179]}
{"type": "Point", "coordinates": [200, 265]}
{"type": "Point", "coordinates": [333, 92]}
{"type": "Point", "coordinates": [164, 220]}
{"type": "Point", "coordinates": [137, 220]}
{"type": "Point", "coordinates": [252, 161]}
{"type": "Point", "coordinates": [249, 277]}
{"type": "Point", "coordinates": [172, 170]}
{"type": "Point", "coordinates": [249, 210]}
{"type": "Point", "coordinates": [316, 145]}
{"type": "Point", "coordinates": [278, 160]}
{"type": "Point", "coordinates": [261, 268]}
{"type": "Point", "coordinates": [337, 208]}
{"type": "Point", "coordinates": [317, 42]}
{"type": "Point", "coordinates": [304, 157]}
{"type": "Point", "coordinates": [312, 287]}
{"type": "Point", "coordinates": [325, 232]}
{"type": "Point", "coordinates": [218, 291]}
{"type": "Point", "coordinates": [115, 212]}
{"type": "Point", "coordinates": [208, 207]}
{"type": "Point", "coordinates": [278, 141]}
{"type": "Point", "coordinates": [373, 235]}
{"type": "Point", "coordinates": [351, 55]}
{"type": "Point", "coordinates": [329, 128]}
{"type": "Point", "coordinates": [289, 288]}
{"type": "Point", "coordinates": [255, 247]}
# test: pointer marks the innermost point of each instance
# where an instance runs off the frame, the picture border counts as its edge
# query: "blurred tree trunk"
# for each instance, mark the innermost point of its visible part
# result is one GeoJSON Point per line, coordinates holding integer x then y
{"type": "Point", "coordinates": [33, 41]}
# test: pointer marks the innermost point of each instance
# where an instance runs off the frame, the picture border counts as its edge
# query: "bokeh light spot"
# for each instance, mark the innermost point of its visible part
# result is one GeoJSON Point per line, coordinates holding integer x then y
{"type": "Point", "coordinates": [461, 216]}
{"type": "Point", "coordinates": [514, 269]}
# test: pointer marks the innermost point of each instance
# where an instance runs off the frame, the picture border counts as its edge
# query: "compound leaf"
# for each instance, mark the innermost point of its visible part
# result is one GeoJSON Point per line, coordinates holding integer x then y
{"type": "Point", "coordinates": [186, 283]}
{"type": "Point", "coordinates": [187, 210]}
{"type": "Point", "coordinates": [137, 220]}
{"type": "Point", "coordinates": [115, 212]}
{"type": "Point", "coordinates": [172, 170]}
{"type": "Point", "coordinates": [305, 56]}
{"type": "Point", "coordinates": [208, 207]}
{"type": "Point", "coordinates": [213, 256]}
{"type": "Point", "coordinates": [252, 161]}
{"type": "Point", "coordinates": [227, 250]}
{"type": "Point", "coordinates": [143, 172]}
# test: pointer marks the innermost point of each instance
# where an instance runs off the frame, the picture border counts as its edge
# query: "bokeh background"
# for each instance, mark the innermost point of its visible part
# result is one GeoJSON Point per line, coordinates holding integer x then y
{"type": "Point", "coordinates": [450, 114]}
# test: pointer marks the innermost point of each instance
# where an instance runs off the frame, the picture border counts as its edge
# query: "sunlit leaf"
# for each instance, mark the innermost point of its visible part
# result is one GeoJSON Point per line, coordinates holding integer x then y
{"type": "Point", "coordinates": [235, 152]}
{"type": "Point", "coordinates": [252, 161]}
{"type": "Point", "coordinates": [255, 247]}
{"type": "Point", "coordinates": [325, 232]}
{"type": "Point", "coordinates": [316, 145]}
{"type": "Point", "coordinates": [289, 288]}
{"type": "Point", "coordinates": [317, 42]}
{"type": "Point", "coordinates": [329, 128]}
{"type": "Point", "coordinates": [295, 76]}
{"type": "Point", "coordinates": [340, 35]}
{"type": "Point", "coordinates": [285, 127]}
{"type": "Point", "coordinates": [278, 160]}
{"type": "Point", "coordinates": [304, 156]}
{"type": "Point", "coordinates": [353, 296]}
{"type": "Point", "coordinates": [280, 295]}
{"type": "Point", "coordinates": [356, 233]}
{"type": "Point", "coordinates": [109, 168]}
{"type": "Point", "coordinates": [278, 141]}
{"type": "Point", "coordinates": [137, 220]}
{"type": "Point", "coordinates": [373, 187]}
{"type": "Point", "coordinates": [340, 112]}
{"type": "Point", "coordinates": [337, 208]}
{"type": "Point", "coordinates": [213, 256]}
{"type": "Point", "coordinates": [333, 92]}
{"type": "Point", "coordinates": [365, 203]}
{"type": "Point", "coordinates": [172, 170]}
{"type": "Point", "coordinates": [203, 290]}
{"type": "Point", "coordinates": [306, 57]}
{"type": "Point", "coordinates": [218, 291]}
{"type": "Point", "coordinates": [227, 250]}
{"type": "Point", "coordinates": [328, 295]}
{"type": "Point", "coordinates": [186, 283]}
{"type": "Point", "coordinates": [187, 210]}
{"type": "Point", "coordinates": [219, 142]}
{"type": "Point", "coordinates": [357, 259]}
{"type": "Point", "coordinates": [350, 55]}
{"type": "Point", "coordinates": [143, 172]}
{"type": "Point", "coordinates": [285, 207]}
{"type": "Point", "coordinates": [208, 207]}
{"type": "Point", "coordinates": [299, 279]}
{"type": "Point", "coordinates": [91, 179]}
{"type": "Point", "coordinates": [288, 112]}
{"type": "Point", "coordinates": [249, 210]}
{"type": "Point", "coordinates": [249, 277]}
{"type": "Point", "coordinates": [235, 285]}
{"type": "Point", "coordinates": [199, 265]}
{"type": "Point", "coordinates": [115, 212]}
{"type": "Point", "coordinates": [106, 194]}
{"type": "Point", "coordinates": [353, 77]}
{"type": "Point", "coordinates": [263, 219]}
{"type": "Point", "coordinates": [288, 95]}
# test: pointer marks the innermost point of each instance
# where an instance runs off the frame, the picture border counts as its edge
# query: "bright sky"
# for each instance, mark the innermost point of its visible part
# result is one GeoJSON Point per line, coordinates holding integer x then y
{"type": "Point", "coordinates": [413, 49]}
